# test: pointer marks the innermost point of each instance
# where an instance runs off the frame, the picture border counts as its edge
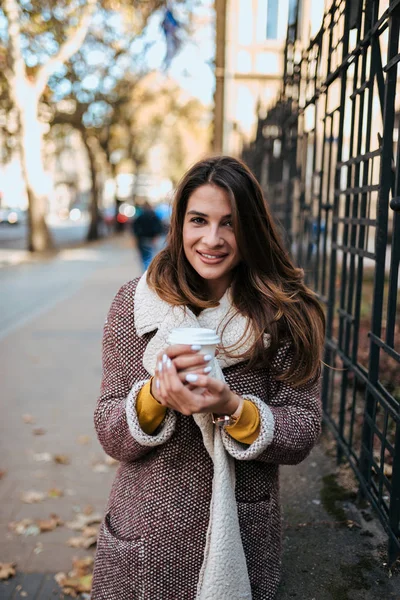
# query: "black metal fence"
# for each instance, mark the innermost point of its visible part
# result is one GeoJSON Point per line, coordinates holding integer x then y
{"type": "Point", "coordinates": [328, 157]}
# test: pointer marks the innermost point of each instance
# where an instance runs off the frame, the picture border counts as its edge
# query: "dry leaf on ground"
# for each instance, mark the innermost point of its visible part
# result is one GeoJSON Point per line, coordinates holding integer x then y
{"type": "Point", "coordinates": [61, 459]}
{"type": "Point", "coordinates": [28, 418]}
{"type": "Point", "coordinates": [42, 457]}
{"type": "Point", "coordinates": [38, 431]}
{"type": "Point", "coordinates": [32, 496]}
{"type": "Point", "coordinates": [82, 542]}
{"type": "Point", "coordinates": [110, 461]}
{"type": "Point", "coordinates": [55, 493]}
{"type": "Point", "coordinates": [81, 521]}
{"type": "Point", "coordinates": [2, 473]}
{"type": "Point", "coordinates": [100, 468]}
{"type": "Point", "coordinates": [84, 439]}
{"type": "Point", "coordinates": [7, 570]}
{"type": "Point", "coordinates": [79, 579]}
{"type": "Point", "coordinates": [88, 510]}
{"type": "Point", "coordinates": [49, 524]}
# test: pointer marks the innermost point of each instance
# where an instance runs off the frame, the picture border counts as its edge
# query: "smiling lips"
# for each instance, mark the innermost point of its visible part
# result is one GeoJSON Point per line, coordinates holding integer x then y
{"type": "Point", "coordinates": [211, 258]}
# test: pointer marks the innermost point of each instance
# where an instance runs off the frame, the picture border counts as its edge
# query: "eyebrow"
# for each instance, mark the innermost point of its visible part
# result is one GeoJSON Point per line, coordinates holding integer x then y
{"type": "Point", "coordinates": [200, 214]}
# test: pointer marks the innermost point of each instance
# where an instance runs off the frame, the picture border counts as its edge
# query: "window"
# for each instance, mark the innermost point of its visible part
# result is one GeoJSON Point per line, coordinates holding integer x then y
{"type": "Point", "coordinates": [272, 20]}
{"type": "Point", "coordinates": [279, 14]}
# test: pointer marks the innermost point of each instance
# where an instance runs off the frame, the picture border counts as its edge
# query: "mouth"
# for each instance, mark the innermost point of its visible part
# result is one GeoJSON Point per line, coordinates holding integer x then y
{"type": "Point", "coordinates": [212, 258]}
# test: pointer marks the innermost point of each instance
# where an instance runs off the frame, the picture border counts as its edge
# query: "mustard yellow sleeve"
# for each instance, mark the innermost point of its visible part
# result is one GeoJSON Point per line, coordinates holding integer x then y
{"type": "Point", "coordinates": [150, 412]}
{"type": "Point", "coordinates": [247, 427]}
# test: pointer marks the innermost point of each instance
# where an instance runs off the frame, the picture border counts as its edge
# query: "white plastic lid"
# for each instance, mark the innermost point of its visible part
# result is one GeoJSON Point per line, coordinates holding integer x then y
{"type": "Point", "coordinates": [193, 335]}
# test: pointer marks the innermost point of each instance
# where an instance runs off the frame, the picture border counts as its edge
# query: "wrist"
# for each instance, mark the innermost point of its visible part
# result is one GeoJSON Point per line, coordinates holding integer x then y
{"type": "Point", "coordinates": [152, 390]}
{"type": "Point", "coordinates": [234, 405]}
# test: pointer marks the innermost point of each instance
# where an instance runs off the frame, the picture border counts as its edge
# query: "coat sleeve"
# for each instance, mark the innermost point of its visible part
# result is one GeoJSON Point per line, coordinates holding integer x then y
{"type": "Point", "coordinates": [290, 423]}
{"type": "Point", "coordinates": [115, 417]}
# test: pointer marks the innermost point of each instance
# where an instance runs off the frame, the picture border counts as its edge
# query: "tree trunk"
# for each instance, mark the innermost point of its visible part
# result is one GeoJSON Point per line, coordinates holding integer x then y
{"type": "Point", "coordinates": [30, 142]}
{"type": "Point", "coordinates": [93, 232]}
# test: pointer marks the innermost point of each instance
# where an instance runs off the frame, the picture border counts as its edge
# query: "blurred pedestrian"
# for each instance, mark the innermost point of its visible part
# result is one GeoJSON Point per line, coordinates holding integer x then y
{"type": "Point", "coordinates": [147, 228]}
{"type": "Point", "coordinates": [194, 510]}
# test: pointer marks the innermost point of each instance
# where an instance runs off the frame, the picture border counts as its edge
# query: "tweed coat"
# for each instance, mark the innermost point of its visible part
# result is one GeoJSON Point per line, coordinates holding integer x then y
{"type": "Point", "coordinates": [152, 538]}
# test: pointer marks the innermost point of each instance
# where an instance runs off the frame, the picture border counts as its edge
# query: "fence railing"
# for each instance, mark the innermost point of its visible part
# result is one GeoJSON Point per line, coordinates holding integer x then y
{"type": "Point", "coordinates": [328, 157]}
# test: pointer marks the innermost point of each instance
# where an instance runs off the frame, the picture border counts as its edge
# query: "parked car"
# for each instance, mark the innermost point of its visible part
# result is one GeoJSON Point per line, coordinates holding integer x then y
{"type": "Point", "coordinates": [12, 216]}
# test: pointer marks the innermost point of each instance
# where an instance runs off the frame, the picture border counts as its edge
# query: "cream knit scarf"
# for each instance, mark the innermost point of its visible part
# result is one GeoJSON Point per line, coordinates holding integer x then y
{"type": "Point", "coordinates": [223, 575]}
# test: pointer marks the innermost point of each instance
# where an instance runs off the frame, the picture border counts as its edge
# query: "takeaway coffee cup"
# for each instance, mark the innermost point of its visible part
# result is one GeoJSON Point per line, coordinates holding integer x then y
{"type": "Point", "coordinates": [207, 339]}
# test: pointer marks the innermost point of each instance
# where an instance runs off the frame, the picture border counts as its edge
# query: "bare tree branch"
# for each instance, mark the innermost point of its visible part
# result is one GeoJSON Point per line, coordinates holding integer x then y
{"type": "Point", "coordinates": [12, 12]}
{"type": "Point", "coordinates": [68, 49]}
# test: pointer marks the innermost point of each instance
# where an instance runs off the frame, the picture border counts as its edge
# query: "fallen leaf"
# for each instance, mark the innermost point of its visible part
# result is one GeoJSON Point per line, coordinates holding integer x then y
{"type": "Point", "coordinates": [32, 496]}
{"type": "Point", "coordinates": [84, 439]}
{"type": "Point", "coordinates": [42, 457]}
{"type": "Point", "coordinates": [110, 461]}
{"type": "Point", "coordinates": [28, 419]}
{"type": "Point", "coordinates": [82, 542]}
{"type": "Point", "coordinates": [38, 431]}
{"type": "Point", "coordinates": [55, 493]}
{"type": "Point", "coordinates": [49, 524]}
{"type": "Point", "coordinates": [82, 566]}
{"type": "Point", "coordinates": [38, 548]}
{"type": "Point", "coordinates": [7, 570]}
{"type": "Point", "coordinates": [90, 531]}
{"type": "Point", "coordinates": [2, 473]}
{"type": "Point", "coordinates": [81, 521]}
{"type": "Point", "coordinates": [100, 468]}
{"type": "Point", "coordinates": [19, 527]}
{"type": "Point", "coordinates": [88, 510]}
{"type": "Point", "coordinates": [79, 579]}
{"type": "Point", "coordinates": [61, 459]}
{"type": "Point", "coordinates": [23, 594]}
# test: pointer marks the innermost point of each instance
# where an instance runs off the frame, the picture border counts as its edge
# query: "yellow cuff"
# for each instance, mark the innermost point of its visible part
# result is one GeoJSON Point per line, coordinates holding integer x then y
{"type": "Point", "coordinates": [150, 412]}
{"type": "Point", "coordinates": [247, 427]}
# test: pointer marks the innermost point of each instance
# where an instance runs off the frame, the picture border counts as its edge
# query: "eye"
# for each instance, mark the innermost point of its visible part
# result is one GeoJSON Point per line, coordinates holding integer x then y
{"type": "Point", "coordinates": [197, 220]}
{"type": "Point", "coordinates": [228, 223]}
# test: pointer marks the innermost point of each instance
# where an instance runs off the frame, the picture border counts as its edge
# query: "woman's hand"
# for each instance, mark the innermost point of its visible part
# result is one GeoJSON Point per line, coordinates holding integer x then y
{"type": "Point", "coordinates": [171, 387]}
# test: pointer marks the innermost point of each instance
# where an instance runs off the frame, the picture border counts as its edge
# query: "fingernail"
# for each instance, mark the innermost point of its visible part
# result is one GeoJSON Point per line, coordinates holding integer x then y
{"type": "Point", "coordinates": [157, 384]}
{"type": "Point", "coordinates": [160, 366]}
{"type": "Point", "coordinates": [196, 347]}
{"type": "Point", "coordinates": [208, 357]}
{"type": "Point", "coordinates": [169, 363]}
{"type": "Point", "coordinates": [164, 358]}
{"type": "Point", "coordinates": [191, 378]}
{"type": "Point", "coordinates": [208, 370]}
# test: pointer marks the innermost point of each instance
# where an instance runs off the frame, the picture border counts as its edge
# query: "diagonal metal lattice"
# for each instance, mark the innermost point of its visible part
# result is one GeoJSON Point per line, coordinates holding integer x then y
{"type": "Point", "coordinates": [328, 157]}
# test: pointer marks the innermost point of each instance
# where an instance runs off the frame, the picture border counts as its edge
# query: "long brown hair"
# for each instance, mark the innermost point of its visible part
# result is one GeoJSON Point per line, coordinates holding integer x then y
{"type": "Point", "coordinates": [266, 286]}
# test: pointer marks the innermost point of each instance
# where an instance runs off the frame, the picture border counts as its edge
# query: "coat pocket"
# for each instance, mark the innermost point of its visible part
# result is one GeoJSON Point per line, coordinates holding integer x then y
{"type": "Point", "coordinates": [255, 530]}
{"type": "Point", "coordinates": [118, 566]}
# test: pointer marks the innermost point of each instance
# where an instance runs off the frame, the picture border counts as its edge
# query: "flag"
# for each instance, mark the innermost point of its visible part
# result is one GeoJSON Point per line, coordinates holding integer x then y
{"type": "Point", "coordinates": [171, 28]}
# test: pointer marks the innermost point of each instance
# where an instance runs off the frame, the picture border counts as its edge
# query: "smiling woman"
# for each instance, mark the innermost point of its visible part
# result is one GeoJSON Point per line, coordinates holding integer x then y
{"type": "Point", "coordinates": [199, 516]}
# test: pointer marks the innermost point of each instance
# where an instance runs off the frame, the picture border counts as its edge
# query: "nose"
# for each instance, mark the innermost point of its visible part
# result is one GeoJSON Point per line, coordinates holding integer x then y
{"type": "Point", "coordinates": [212, 237]}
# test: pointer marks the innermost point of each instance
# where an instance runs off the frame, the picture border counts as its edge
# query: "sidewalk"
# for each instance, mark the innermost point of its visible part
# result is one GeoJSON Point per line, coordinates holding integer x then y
{"type": "Point", "coordinates": [50, 379]}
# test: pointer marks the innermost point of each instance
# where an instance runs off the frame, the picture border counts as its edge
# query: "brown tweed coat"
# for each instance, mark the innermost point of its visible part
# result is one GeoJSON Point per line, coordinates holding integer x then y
{"type": "Point", "coordinates": [151, 541]}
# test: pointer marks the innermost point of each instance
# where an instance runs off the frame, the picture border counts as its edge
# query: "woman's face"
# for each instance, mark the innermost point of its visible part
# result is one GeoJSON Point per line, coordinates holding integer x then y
{"type": "Point", "coordinates": [208, 239]}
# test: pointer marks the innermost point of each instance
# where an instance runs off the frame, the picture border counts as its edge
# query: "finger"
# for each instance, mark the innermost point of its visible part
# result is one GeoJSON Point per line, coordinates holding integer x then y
{"type": "Point", "coordinates": [214, 386]}
{"type": "Point", "coordinates": [172, 382]}
{"type": "Point", "coordinates": [178, 349]}
{"type": "Point", "coordinates": [161, 389]}
{"type": "Point", "coordinates": [187, 361]}
{"type": "Point", "coordinates": [194, 371]}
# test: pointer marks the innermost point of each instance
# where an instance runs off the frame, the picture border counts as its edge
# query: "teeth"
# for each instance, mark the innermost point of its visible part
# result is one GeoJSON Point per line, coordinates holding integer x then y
{"type": "Point", "coordinates": [210, 256]}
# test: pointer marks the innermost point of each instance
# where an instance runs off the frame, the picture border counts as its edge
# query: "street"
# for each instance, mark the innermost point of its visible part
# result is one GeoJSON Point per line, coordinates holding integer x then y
{"type": "Point", "coordinates": [66, 233]}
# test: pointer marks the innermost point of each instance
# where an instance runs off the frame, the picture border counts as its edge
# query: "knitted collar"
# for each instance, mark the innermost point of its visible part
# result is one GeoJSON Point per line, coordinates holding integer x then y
{"type": "Point", "coordinates": [152, 313]}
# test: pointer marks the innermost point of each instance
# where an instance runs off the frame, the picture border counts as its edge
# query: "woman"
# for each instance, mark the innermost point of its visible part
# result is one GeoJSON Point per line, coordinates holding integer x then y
{"type": "Point", "coordinates": [194, 509]}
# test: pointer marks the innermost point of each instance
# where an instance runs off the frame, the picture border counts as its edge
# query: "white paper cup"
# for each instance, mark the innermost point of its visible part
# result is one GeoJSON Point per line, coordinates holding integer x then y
{"type": "Point", "coordinates": [208, 339]}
